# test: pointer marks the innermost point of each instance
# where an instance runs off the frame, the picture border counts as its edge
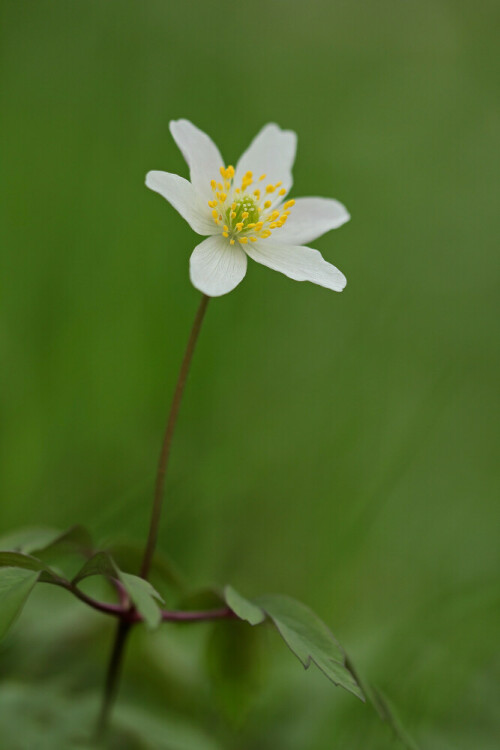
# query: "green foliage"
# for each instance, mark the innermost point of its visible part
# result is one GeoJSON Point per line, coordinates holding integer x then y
{"type": "Point", "coordinates": [144, 596]}
{"type": "Point", "coordinates": [338, 447]}
{"type": "Point", "coordinates": [100, 564]}
{"type": "Point", "coordinates": [244, 609]}
{"type": "Point", "coordinates": [309, 639]}
{"type": "Point", "coordinates": [15, 587]}
{"type": "Point", "coordinates": [303, 632]}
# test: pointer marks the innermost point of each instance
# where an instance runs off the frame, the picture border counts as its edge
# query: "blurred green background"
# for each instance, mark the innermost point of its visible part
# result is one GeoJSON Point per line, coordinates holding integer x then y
{"type": "Point", "coordinates": [338, 448]}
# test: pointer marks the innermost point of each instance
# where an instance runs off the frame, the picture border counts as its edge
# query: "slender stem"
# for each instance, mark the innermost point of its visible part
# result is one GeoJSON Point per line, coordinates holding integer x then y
{"type": "Point", "coordinates": [132, 616]}
{"type": "Point", "coordinates": [167, 439]}
{"type": "Point", "coordinates": [112, 676]}
{"type": "Point", "coordinates": [127, 617]}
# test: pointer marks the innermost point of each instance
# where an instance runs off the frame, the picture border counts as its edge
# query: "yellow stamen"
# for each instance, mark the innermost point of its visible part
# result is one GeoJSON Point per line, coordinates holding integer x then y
{"type": "Point", "coordinates": [233, 215]}
{"type": "Point", "coordinates": [213, 184]}
{"type": "Point", "coordinates": [225, 234]}
{"type": "Point", "coordinates": [239, 226]}
{"type": "Point", "coordinates": [270, 189]}
{"type": "Point", "coordinates": [289, 204]}
{"type": "Point", "coordinates": [253, 239]}
{"type": "Point", "coordinates": [243, 240]}
{"type": "Point", "coordinates": [262, 177]}
{"type": "Point", "coordinates": [212, 204]}
{"type": "Point", "coordinates": [267, 204]}
{"type": "Point", "coordinates": [282, 191]}
{"type": "Point", "coordinates": [231, 242]}
{"type": "Point", "coordinates": [244, 215]}
{"type": "Point", "coordinates": [266, 233]}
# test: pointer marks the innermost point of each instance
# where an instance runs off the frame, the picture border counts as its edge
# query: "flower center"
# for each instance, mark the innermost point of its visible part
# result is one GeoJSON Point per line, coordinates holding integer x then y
{"type": "Point", "coordinates": [244, 214]}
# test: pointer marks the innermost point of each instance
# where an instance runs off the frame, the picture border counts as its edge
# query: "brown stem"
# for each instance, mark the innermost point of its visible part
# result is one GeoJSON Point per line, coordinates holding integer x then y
{"type": "Point", "coordinates": [167, 439]}
{"type": "Point", "coordinates": [112, 677]}
{"type": "Point", "coordinates": [127, 617]}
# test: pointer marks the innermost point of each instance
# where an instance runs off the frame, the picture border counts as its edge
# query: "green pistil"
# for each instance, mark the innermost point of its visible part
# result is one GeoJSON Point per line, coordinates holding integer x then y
{"type": "Point", "coordinates": [246, 204]}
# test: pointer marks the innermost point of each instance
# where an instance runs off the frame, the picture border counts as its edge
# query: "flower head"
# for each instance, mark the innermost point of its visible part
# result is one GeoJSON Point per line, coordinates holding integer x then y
{"type": "Point", "coordinates": [244, 211]}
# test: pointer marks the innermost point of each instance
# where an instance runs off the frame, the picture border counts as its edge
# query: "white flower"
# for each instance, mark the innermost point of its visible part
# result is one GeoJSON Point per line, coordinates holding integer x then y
{"type": "Point", "coordinates": [244, 212]}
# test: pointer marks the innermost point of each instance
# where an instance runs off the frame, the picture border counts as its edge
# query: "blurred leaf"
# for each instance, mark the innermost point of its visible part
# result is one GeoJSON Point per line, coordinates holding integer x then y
{"type": "Point", "coordinates": [242, 608]}
{"type": "Point", "coordinates": [144, 596]}
{"type": "Point", "coordinates": [29, 539]}
{"type": "Point", "coordinates": [27, 562]}
{"type": "Point", "coordinates": [234, 666]}
{"type": "Point", "coordinates": [18, 560]}
{"type": "Point", "coordinates": [15, 587]}
{"type": "Point", "coordinates": [100, 564]}
{"type": "Point", "coordinates": [75, 538]}
{"type": "Point", "coordinates": [40, 539]}
{"type": "Point", "coordinates": [309, 639]}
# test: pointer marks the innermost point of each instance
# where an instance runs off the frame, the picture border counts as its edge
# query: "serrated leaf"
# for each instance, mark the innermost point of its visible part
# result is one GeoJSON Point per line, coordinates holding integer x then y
{"type": "Point", "coordinates": [309, 639]}
{"type": "Point", "coordinates": [100, 564]}
{"type": "Point", "coordinates": [15, 587]}
{"type": "Point", "coordinates": [242, 608]}
{"type": "Point", "coordinates": [144, 596]}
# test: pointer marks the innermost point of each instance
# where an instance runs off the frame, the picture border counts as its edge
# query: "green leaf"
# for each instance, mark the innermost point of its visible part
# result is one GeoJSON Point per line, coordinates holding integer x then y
{"type": "Point", "coordinates": [27, 562]}
{"type": "Point", "coordinates": [144, 596]}
{"type": "Point", "coordinates": [15, 587]}
{"type": "Point", "coordinates": [76, 538]}
{"type": "Point", "coordinates": [100, 564]}
{"type": "Point", "coordinates": [309, 639]}
{"type": "Point", "coordinates": [18, 560]}
{"type": "Point", "coordinates": [242, 608]}
{"type": "Point", "coordinates": [31, 540]}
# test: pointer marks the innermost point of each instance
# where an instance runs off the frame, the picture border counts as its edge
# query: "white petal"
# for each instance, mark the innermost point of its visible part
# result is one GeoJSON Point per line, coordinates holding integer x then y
{"type": "Point", "coordinates": [183, 197]}
{"type": "Point", "coordinates": [216, 267]}
{"type": "Point", "coordinates": [200, 152]}
{"type": "Point", "coordinates": [310, 218]}
{"type": "Point", "coordinates": [297, 262]}
{"type": "Point", "coordinates": [272, 152]}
